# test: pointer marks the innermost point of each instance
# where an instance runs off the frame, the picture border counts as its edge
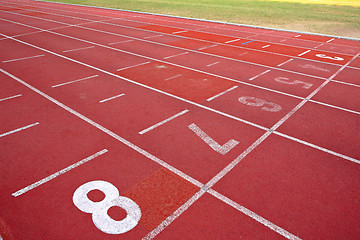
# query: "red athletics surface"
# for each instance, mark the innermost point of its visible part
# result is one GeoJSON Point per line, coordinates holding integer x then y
{"type": "Point", "coordinates": [125, 125]}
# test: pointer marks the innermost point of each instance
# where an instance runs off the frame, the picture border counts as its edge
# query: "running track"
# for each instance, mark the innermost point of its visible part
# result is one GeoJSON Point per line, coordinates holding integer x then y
{"type": "Point", "coordinates": [197, 130]}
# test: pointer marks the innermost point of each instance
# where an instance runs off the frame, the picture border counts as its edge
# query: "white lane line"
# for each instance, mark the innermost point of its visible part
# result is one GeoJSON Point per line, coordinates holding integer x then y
{"type": "Point", "coordinates": [18, 130]}
{"type": "Point", "coordinates": [174, 215]}
{"type": "Point", "coordinates": [259, 75]}
{"type": "Point", "coordinates": [24, 58]}
{"type": "Point", "coordinates": [220, 94]}
{"type": "Point", "coordinates": [78, 80]}
{"type": "Point", "coordinates": [297, 36]}
{"type": "Point", "coordinates": [176, 55]}
{"type": "Point", "coordinates": [253, 215]}
{"type": "Point", "coordinates": [333, 106]}
{"type": "Point", "coordinates": [232, 40]}
{"type": "Point", "coordinates": [136, 65]}
{"type": "Point", "coordinates": [328, 41]}
{"type": "Point", "coordinates": [265, 46]}
{"type": "Point", "coordinates": [163, 122]}
{"type": "Point", "coordinates": [212, 64]}
{"type": "Point", "coordinates": [304, 53]}
{"type": "Point", "coordinates": [283, 40]}
{"type": "Point", "coordinates": [285, 62]}
{"type": "Point", "coordinates": [108, 132]}
{"type": "Point", "coordinates": [125, 41]}
{"type": "Point", "coordinates": [3, 99]}
{"type": "Point", "coordinates": [179, 75]}
{"type": "Point", "coordinates": [52, 176]}
{"type": "Point", "coordinates": [111, 98]}
{"type": "Point", "coordinates": [180, 32]}
{"type": "Point", "coordinates": [153, 36]}
{"type": "Point", "coordinates": [317, 147]}
{"type": "Point", "coordinates": [78, 49]}
{"type": "Point", "coordinates": [210, 46]}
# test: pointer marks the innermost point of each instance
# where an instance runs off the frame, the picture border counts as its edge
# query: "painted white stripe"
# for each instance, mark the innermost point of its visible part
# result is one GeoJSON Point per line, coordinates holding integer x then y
{"type": "Point", "coordinates": [111, 98]}
{"type": "Point", "coordinates": [176, 55]}
{"type": "Point", "coordinates": [163, 122]}
{"type": "Point", "coordinates": [179, 75]}
{"type": "Point", "coordinates": [78, 80]}
{"type": "Point", "coordinates": [297, 36]}
{"type": "Point", "coordinates": [317, 147]}
{"type": "Point", "coordinates": [212, 64]}
{"type": "Point", "coordinates": [107, 131]}
{"type": "Point", "coordinates": [52, 176]}
{"type": "Point", "coordinates": [259, 75]}
{"type": "Point", "coordinates": [222, 149]}
{"type": "Point", "coordinates": [279, 65]}
{"type": "Point", "coordinates": [78, 49]}
{"type": "Point", "coordinates": [153, 36]}
{"type": "Point", "coordinates": [121, 42]}
{"type": "Point", "coordinates": [304, 53]}
{"type": "Point", "coordinates": [254, 216]}
{"type": "Point", "coordinates": [18, 130]}
{"type": "Point", "coordinates": [283, 40]}
{"type": "Point", "coordinates": [232, 41]}
{"type": "Point", "coordinates": [265, 46]}
{"type": "Point", "coordinates": [220, 94]}
{"type": "Point", "coordinates": [3, 99]}
{"type": "Point", "coordinates": [333, 106]}
{"type": "Point", "coordinates": [180, 32]}
{"type": "Point", "coordinates": [210, 46]}
{"type": "Point", "coordinates": [173, 216]}
{"type": "Point", "coordinates": [136, 65]}
{"type": "Point", "coordinates": [24, 58]}
{"type": "Point", "coordinates": [330, 40]}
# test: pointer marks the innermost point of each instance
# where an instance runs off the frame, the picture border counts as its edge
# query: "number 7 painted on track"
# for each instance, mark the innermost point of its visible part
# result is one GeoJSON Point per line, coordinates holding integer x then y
{"type": "Point", "coordinates": [211, 142]}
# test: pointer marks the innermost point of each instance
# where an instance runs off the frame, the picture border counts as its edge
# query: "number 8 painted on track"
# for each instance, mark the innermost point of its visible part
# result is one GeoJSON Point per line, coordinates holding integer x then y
{"type": "Point", "coordinates": [99, 209]}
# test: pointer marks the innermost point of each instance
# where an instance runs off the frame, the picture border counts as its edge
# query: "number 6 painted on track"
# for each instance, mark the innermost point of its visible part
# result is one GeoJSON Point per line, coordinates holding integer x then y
{"type": "Point", "coordinates": [257, 102]}
{"type": "Point", "coordinates": [99, 209]}
{"type": "Point", "coordinates": [328, 57]}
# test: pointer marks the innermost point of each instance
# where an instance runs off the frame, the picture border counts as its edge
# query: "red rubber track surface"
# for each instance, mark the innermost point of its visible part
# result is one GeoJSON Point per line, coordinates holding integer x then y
{"type": "Point", "coordinates": [214, 131]}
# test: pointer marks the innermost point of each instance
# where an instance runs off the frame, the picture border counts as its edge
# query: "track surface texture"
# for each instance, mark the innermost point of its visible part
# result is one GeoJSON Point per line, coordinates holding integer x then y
{"type": "Point", "coordinates": [124, 125]}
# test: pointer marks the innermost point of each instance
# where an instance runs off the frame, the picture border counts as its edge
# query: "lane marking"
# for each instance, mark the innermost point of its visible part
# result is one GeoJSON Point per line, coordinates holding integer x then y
{"type": "Point", "coordinates": [182, 31]}
{"type": "Point", "coordinates": [136, 65]}
{"type": "Point", "coordinates": [225, 148]}
{"type": "Point", "coordinates": [125, 41]}
{"type": "Point", "coordinates": [247, 42]}
{"type": "Point", "coordinates": [333, 106]}
{"type": "Point", "coordinates": [259, 75]}
{"type": "Point", "coordinates": [210, 46]}
{"type": "Point", "coordinates": [24, 58]}
{"type": "Point", "coordinates": [304, 53]}
{"type": "Point", "coordinates": [179, 75]}
{"type": "Point", "coordinates": [52, 176]}
{"type": "Point", "coordinates": [265, 46]}
{"type": "Point", "coordinates": [176, 55]}
{"type": "Point", "coordinates": [220, 94]}
{"type": "Point", "coordinates": [284, 40]}
{"type": "Point", "coordinates": [108, 132]}
{"type": "Point", "coordinates": [18, 129]}
{"type": "Point", "coordinates": [253, 215]}
{"type": "Point", "coordinates": [232, 40]}
{"type": "Point", "coordinates": [279, 65]}
{"type": "Point", "coordinates": [153, 36]}
{"type": "Point", "coordinates": [78, 49]}
{"type": "Point", "coordinates": [297, 36]}
{"type": "Point", "coordinates": [111, 98]}
{"type": "Point", "coordinates": [328, 41]}
{"type": "Point", "coordinates": [163, 122]}
{"type": "Point", "coordinates": [212, 64]}
{"type": "Point", "coordinates": [7, 98]}
{"type": "Point", "coordinates": [78, 80]}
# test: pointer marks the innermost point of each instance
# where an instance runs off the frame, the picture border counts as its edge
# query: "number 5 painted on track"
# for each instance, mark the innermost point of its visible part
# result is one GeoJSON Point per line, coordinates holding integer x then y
{"type": "Point", "coordinates": [285, 80]}
{"type": "Point", "coordinates": [99, 209]}
{"type": "Point", "coordinates": [328, 57]}
{"type": "Point", "coordinates": [257, 102]}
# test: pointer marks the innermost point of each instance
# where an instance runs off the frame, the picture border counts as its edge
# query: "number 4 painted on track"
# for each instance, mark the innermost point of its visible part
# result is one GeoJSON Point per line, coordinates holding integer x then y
{"type": "Point", "coordinates": [211, 142]}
